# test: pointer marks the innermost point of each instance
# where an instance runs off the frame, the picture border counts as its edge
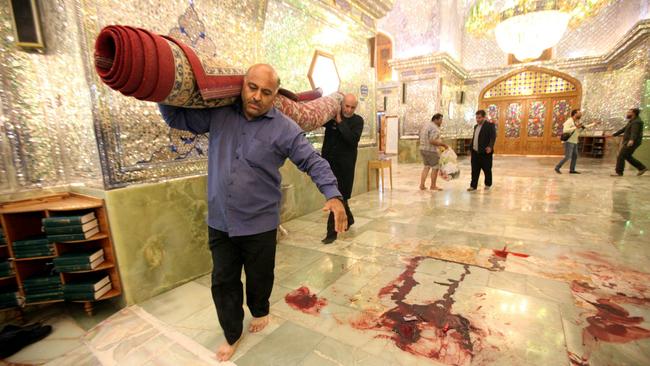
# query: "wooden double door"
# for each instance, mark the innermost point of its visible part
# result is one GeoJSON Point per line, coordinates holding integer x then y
{"type": "Point", "coordinates": [530, 125]}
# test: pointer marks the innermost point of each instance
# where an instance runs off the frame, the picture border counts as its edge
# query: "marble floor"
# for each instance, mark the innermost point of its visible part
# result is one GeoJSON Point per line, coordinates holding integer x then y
{"type": "Point", "coordinates": [543, 269]}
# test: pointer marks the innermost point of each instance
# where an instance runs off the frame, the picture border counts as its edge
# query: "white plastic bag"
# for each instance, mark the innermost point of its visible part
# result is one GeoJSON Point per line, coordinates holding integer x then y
{"type": "Point", "coordinates": [449, 165]}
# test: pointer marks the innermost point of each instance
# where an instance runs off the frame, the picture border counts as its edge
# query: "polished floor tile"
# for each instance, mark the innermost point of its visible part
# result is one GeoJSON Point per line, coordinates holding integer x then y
{"type": "Point", "coordinates": [543, 269]}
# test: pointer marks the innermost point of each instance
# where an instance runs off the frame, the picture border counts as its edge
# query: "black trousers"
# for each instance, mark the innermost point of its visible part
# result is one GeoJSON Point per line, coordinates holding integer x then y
{"type": "Point", "coordinates": [626, 155]}
{"type": "Point", "coordinates": [331, 230]}
{"type": "Point", "coordinates": [256, 253]}
{"type": "Point", "coordinates": [481, 162]}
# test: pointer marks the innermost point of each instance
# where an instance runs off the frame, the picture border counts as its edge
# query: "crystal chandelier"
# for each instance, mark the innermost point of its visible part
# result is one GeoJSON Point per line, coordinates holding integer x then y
{"type": "Point", "coordinates": [527, 35]}
{"type": "Point", "coordinates": [526, 28]}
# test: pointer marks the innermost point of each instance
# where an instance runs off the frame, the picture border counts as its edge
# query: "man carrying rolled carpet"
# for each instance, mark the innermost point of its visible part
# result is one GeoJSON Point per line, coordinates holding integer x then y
{"type": "Point", "coordinates": [249, 142]}
{"type": "Point", "coordinates": [342, 135]}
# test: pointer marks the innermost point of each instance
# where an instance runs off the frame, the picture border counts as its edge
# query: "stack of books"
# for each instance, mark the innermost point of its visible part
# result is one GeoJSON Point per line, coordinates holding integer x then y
{"type": "Point", "coordinates": [70, 228]}
{"type": "Point", "coordinates": [10, 300]}
{"type": "Point", "coordinates": [33, 247]}
{"type": "Point", "coordinates": [43, 288]}
{"type": "Point", "coordinates": [79, 261]}
{"type": "Point", "coordinates": [6, 269]}
{"type": "Point", "coordinates": [88, 289]}
{"type": "Point", "coordinates": [3, 241]}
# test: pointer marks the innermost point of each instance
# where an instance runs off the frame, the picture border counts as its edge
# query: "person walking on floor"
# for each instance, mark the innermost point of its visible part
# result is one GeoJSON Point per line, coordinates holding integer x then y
{"type": "Point", "coordinates": [340, 144]}
{"type": "Point", "coordinates": [485, 135]}
{"type": "Point", "coordinates": [430, 143]}
{"type": "Point", "coordinates": [632, 137]}
{"type": "Point", "coordinates": [572, 126]}
{"type": "Point", "coordinates": [249, 142]}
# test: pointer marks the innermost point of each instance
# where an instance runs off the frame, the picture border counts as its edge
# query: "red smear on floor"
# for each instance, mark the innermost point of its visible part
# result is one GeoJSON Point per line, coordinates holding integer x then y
{"type": "Point", "coordinates": [430, 330]}
{"type": "Point", "coordinates": [503, 253]}
{"type": "Point", "coordinates": [612, 323]}
{"type": "Point", "coordinates": [303, 300]}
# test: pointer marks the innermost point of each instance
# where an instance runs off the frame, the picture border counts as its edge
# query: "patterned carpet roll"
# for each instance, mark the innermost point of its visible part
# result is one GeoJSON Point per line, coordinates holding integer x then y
{"type": "Point", "coordinates": [160, 69]}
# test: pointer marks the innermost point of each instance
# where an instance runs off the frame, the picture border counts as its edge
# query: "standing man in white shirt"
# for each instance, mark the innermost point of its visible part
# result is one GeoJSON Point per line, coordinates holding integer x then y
{"type": "Point", "coordinates": [429, 143]}
{"type": "Point", "coordinates": [574, 127]}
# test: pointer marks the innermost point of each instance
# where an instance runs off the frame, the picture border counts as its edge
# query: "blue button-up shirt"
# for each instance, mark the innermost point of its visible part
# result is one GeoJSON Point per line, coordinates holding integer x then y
{"type": "Point", "coordinates": [244, 161]}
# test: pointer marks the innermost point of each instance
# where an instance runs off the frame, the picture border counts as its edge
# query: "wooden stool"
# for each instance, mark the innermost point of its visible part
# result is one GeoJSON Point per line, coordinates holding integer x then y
{"type": "Point", "coordinates": [380, 165]}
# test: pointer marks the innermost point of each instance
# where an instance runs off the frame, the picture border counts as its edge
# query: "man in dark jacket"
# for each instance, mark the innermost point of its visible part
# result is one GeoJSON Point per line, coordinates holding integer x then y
{"type": "Point", "coordinates": [342, 136]}
{"type": "Point", "coordinates": [485, 135]}
{"type": "Point", "coordinates": [632, 136]}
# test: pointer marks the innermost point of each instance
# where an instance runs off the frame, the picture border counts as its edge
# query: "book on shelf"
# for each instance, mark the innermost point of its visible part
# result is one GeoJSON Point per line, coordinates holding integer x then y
{"type": "Point", "coordinates": [22, 251]}
{"type": "Point", "coordinates": [46, 296]}
{"type": "Point", "coordinates": [42, 288]}
{"type": "Point", "coordinates": [33, 241]}
{"type": "Point", "coordinates": [10, 299]}
{"type": "Point", "coordinates": [80, 266]}
{"type": "Point", "coordinates": [87, 295]}
{"type": "Point", "coordinates": [72, 237]}
{"type": "Point", "coordinates": [89, 284]}
{"type": "Point", "coordinates": [68, 220]}
{"type": "Point", "coordinates": [79, 257]}
{"type": "Point", "coordinates": [6, 269]}
{"type": "Point", "coordinates": [34, 254]}
{"type": "Point", "coordinates": [55, 279]}
{"type": "Point", "coordinates": [27, 248]}
{"type": "Point", "coordinates": [71, 229]}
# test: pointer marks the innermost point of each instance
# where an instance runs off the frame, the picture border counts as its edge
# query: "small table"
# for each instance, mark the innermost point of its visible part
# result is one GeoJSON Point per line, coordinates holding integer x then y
{"type": "Point", "coordinates": [380, 165]}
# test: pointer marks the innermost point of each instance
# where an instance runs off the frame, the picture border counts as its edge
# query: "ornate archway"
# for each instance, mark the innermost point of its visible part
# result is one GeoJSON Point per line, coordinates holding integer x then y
{"type": "Point", "coordinates": [529, 106]}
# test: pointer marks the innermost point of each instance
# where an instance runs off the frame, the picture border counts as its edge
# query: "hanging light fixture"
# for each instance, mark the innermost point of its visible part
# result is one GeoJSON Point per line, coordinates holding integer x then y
{"type": "Point", "coordinates": [526, 28]}
{"type": "Point", "coordinates": [527, 35]}
{"type": "Point", "coordinates": [526, 31]}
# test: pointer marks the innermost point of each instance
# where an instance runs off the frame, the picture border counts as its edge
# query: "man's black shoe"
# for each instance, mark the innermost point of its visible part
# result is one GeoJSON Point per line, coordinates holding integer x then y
{"type": "Point", "coordinates": [329, 239]}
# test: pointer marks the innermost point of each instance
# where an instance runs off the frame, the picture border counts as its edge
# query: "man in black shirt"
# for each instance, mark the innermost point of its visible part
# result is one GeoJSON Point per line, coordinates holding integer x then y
{"type": "Point", "coordinates": [632, 137]}
{"type": "Point", "coordinates": [342, 136]}
{"type": "Point", "coordinates": [485, 135]}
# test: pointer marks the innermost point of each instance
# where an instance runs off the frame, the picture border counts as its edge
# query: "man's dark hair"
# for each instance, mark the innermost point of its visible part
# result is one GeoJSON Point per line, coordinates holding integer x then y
{"type": "Point", "coordinates": [481, 113]}
{"type": "Point", "coordinates": [636, 111]}
{"type": "Point", "coordinates": [436, 117]}
{"type": "Point", "coordinates": [574, 112]}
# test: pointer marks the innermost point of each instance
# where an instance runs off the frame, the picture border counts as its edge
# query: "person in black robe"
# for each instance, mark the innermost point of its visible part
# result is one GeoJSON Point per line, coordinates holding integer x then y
{"type": "Point", "coordinates": [342, 136]}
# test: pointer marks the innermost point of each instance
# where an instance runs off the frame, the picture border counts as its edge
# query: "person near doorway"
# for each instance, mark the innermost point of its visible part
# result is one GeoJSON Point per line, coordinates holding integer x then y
{"type": "Point", "coordinates": [483, 140]}
{"type": "Point", "coordinates": [430, 143]}
{"type": "Point", "coordinates": [249, 142]}
{"type": "Point", "coordinates": [340, 144]}
{"type": "Point", "coordinates": [632, 137]}
{"type": "Point", "coordinates": [572, 126]}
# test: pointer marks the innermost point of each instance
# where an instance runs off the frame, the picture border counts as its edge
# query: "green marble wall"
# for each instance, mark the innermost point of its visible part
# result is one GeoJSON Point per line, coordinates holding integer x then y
{"type": "Point", "coordinates": [160, 235]}
{"type": "Point", "coordinates": [408, 151]}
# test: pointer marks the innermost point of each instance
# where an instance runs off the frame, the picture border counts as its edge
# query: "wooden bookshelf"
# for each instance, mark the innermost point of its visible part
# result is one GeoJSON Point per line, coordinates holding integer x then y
{"type": "Point", "coordinates": [462, 146]}
{"type": "Point", "coordinates": [22, 219]}
{"type": "Point", "coordinates": [8, 283]}
{"type": "Point", "coordinates": [592, 146]}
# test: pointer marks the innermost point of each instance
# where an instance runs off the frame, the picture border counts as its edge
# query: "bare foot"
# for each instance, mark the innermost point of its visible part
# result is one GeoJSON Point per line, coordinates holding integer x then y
{"type": "Point", "coordinates": [257, 324]}
{"type": "Point", "coordinates": [423, 188]}
{"type": "Point", "coordinates": [225, 351]}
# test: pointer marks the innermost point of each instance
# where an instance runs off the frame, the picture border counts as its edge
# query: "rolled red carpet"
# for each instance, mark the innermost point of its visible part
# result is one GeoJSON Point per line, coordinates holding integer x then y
{"type": "Point", "coordinates": [160, 69]}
